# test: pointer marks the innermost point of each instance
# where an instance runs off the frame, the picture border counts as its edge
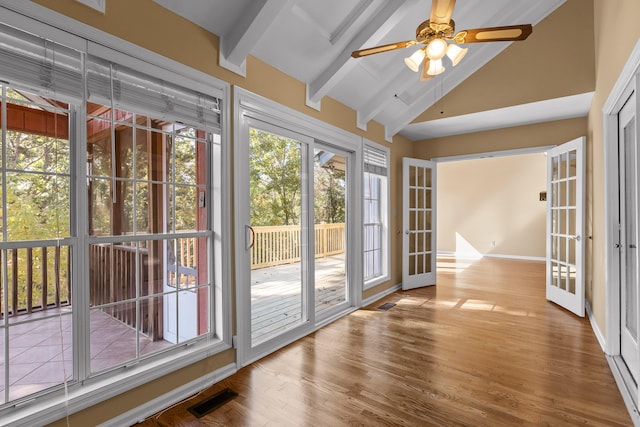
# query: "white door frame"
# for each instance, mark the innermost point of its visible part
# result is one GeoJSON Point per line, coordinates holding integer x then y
{"type": "Point", "coordinates": [628, 82]}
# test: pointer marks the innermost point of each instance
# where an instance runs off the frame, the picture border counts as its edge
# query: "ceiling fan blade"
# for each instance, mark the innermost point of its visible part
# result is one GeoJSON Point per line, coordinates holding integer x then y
{"type": "Point", "coordinates": [441, 11]}
{"type": "Point", "coordinates": [494, 34]}
{"type": "Point", "coordinates": [383, 48]}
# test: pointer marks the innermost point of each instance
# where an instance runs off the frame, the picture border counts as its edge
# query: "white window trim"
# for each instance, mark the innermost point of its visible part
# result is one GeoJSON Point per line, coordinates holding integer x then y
{"type": "Point", "coordinates": [385, 218]}
{"type": "Point", "coordinates": [48, 408]}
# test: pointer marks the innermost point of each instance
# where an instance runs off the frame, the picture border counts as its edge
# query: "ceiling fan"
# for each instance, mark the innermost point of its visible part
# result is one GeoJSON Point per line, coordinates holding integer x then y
{"type": "Point", "coordinates": [435, 33]}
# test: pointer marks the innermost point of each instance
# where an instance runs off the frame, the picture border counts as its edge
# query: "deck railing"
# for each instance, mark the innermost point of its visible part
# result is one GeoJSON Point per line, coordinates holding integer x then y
{"type": "Point", "coordinates": [37, 278]}
{"type": "Point", "coordinates": [277, 245]}
{"type": "Point", "coordinates": [112, 278]}
{"type": "Point", "coordinates": [113, 273]}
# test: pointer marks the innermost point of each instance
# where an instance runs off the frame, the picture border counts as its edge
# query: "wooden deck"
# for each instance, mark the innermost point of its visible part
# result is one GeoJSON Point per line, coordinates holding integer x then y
{"type": "Point", "coordinates": [481, 348]}
{"type": "Point", "coordinates": [276, 295]}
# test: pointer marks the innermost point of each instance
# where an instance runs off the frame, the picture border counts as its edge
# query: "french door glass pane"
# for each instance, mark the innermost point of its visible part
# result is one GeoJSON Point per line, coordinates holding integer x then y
{"type": "Point", "coordinates": [420, 220]}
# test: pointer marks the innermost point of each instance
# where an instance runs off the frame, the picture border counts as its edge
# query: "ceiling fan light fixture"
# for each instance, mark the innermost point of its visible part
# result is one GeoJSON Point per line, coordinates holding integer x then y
{"type": "Point", "coordinates": [414, 61]}
{"type": "Point", "coordinates": [437, 49]}
{"type": "Point", "coordinates": [456, 53]}
{"type": "Point", "coordinates": [424, 75]}
{"type": "Point", "coordinates": [435, 67]}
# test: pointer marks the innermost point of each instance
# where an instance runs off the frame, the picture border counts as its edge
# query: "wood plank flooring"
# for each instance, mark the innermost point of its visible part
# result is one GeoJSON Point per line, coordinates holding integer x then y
{"type": "Point", "coordinates": [481, 348]}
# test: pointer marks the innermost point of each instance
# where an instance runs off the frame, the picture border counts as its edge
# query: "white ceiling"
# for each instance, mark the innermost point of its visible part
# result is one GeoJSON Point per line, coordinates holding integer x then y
{"type": "Point", "coordinates": [312, 41]}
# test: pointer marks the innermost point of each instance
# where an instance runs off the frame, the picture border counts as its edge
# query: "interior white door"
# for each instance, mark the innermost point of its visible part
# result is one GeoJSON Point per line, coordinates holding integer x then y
{"type": "Point", "coordinates": [628, 181]}
{"type": "Point", "coordinates": [565, 225]}
{"type": "Point", "coordinates": [419, 223]}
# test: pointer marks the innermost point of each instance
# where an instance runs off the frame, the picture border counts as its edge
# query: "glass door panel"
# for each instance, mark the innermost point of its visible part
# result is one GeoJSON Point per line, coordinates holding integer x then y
{"type": "Point", "coordinates": [629, 239]}
{"type": "Point", "coordinates": [330, 212]}
{"type": "Point", "coordinates": [277, 239]}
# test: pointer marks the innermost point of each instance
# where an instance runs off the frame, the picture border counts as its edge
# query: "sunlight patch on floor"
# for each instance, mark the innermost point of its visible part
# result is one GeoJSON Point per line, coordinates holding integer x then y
{"type": "Point", "coordinates": [480, 305]}
{"type": "Point", "coordinates": [452, 263]}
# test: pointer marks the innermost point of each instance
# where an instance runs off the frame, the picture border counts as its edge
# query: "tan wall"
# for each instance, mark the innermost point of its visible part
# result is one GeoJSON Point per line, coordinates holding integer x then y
{"type": "Point", "coordinates": [616, 33]}
{"type": "Point", "coordinates": [555, 61]}
{"type": "Point", "coordinates": [145, 23]}
{"type": "Point", "coordinates": [491, 206]}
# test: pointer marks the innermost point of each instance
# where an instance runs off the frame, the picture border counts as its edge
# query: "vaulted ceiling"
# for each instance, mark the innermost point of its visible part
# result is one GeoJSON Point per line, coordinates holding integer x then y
{"type": "Point", "coordinates": [312, 41]}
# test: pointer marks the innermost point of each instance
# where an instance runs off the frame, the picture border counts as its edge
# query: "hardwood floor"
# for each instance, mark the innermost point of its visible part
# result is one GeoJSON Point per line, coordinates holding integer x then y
{"type": "Point", "coordinates": [481, 348]}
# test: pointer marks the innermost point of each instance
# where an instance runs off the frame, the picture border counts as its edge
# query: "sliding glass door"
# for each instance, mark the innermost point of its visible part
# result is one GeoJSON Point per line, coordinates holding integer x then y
{"type": "Point", "coordinates": [292, 222]}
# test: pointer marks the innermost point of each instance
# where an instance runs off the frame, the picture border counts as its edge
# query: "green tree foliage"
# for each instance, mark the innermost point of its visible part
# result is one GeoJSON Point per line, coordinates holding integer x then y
{"type": "Point", "coordinates": [329, 193]}
{"type": "Point", "coordinates": [37, 192]}
{"type": "Point", "coordinates": [275, 170]}
{"type": "Point", "coordinates": [275, 179]}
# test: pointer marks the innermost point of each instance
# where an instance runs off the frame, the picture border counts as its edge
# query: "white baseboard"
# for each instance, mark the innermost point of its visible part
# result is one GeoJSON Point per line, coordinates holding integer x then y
{"type": "Point", "coordinates": [171, 398]}
{"type": "Point", "coordinates": [463, 255]}
{"type": "Point", "coordinates": [381, 295]}
{"type": "Point", "coordinates": [518, 257]}
{"type": "Point", "coordinates": [596, 330]}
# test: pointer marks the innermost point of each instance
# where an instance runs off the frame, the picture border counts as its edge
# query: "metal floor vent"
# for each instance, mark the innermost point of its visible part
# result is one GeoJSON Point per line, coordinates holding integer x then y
{"type": "Point", "coordinates": [386, 306]}
{"type": "Point", "coordinates": [212, 403]}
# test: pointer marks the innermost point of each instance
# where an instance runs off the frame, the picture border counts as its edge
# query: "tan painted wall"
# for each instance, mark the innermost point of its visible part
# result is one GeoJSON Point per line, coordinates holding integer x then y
{"type": "Point", "coordinates": [491, 206]}
{"type": "Point", "coordinates": [556, 60]}
{"type": "Point", "coordinates": [146, 24]}
{"type": "Point", "coordinates": [616, 32]}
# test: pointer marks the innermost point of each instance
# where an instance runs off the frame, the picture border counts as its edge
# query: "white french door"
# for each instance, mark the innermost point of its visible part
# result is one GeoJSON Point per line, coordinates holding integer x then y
{"type": "Point", "coordinates": [565, 226]}
{"type": "Point", "coordinates": [629, 258]}
{"type": "Point", "coordinates": [419, 248]}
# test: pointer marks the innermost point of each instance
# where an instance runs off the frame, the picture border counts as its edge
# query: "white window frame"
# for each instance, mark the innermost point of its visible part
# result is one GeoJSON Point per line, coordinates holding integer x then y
{"type": "Point", "coordinates": [45, 408]}
{"type": "Point", "coordinates": [385, 205]}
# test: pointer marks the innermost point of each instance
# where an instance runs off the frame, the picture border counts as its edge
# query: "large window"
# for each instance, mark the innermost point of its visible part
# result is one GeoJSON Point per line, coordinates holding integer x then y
{"type": "Point", "coordinates": [376, 207]}
{"type": "Point", "coordinates": [107, 218]}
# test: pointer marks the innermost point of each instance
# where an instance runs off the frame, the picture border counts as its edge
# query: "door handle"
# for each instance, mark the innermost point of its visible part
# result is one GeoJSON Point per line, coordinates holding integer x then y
{"type": "Point", "coordinates": [576, 238]}
{"type": "Point", "coordinates": [253, 237]}
{"type": "Point", "coordinates": [632, 246]}
{"type": "Point", "coordinates": [406, 232]}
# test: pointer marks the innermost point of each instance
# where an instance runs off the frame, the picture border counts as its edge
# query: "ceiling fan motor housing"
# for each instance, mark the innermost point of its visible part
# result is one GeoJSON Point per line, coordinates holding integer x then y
{"type": "Point", "coordinates": [428, 31]}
